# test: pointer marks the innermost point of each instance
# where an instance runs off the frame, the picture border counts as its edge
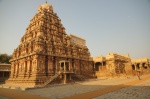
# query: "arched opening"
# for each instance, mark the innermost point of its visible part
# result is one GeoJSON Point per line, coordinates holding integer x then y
{"type": "Point", "coordinates": [67, 66]}
{"type": "Point", "coordinates": [144, 65]}
{"type": "Point", "coordinates": [133, 67]}
{"type": "Point", "coordinates": [98, 66]}
{"type": "Point", "coordinates": [138, 66]}
{"type": "Point", "coordinates": [64, 66]}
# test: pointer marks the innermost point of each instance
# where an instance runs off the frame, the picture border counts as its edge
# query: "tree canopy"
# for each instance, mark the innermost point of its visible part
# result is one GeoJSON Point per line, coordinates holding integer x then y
{"type": "Point", "coordinates": [4, 58]}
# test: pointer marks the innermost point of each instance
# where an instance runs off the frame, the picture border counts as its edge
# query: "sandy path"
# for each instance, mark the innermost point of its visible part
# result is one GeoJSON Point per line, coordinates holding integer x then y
{"type": "Point", "coordinates": [87, 88]}
{"type": "Point", "coordinates": [97, 89]}
{"type": "Point", "coordinates": [103, 91]}
{"type": "Point", "coordinates": [14, 94]}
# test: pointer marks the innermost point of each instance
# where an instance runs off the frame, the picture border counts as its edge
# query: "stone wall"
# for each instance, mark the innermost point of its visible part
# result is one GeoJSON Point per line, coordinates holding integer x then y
{"type": "Point", "coordinates": [113, 65]}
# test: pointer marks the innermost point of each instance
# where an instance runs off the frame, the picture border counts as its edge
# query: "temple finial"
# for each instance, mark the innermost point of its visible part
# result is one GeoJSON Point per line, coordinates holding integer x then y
{"type": "Point", "coordinates": [46, 1]}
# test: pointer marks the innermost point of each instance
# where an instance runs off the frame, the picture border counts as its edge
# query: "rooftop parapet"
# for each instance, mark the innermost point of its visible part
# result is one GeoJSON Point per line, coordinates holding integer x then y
{"type": "Point", "coordinates": [140, 60]}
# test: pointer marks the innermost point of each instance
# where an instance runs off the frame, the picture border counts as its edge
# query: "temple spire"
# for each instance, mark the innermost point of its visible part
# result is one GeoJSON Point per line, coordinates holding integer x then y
{"type": "Point", "coordinates": [46, 2]}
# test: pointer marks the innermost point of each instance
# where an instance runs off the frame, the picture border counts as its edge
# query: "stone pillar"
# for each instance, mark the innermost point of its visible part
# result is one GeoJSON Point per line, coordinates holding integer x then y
{"type": "Point", "coordinates": [28, 66]}
{"type": "Point", "coordinates": [53, 65]}
{"type": "Point", "coordinates": [42, 64]}
{"type": "Point", "coordinates": [29, 63]}
{"type": "Point", "coordinates": [64, 66]}
{"type": "Point", "coordinates": [102, 65]}
{"type": "Point", "coordinates": [56, 64]}
{"type": "Point", "coordinates": [140, 65]}
{"type": "Point", "coordinates": [135, 66]}
{"type": "Point", "coordinates": [17, 69]}
{"type": "Point", "coordinates": [50, 64]}
{"type": "Point", "coordinates": [25, 66]}
{"type": "Point", "coordinates": [12, 70]}
{"type": "Point", "coordinates": [35, 63]}
{"type": "Point", "coordinates": [30, 69]}
{"type": "Point", "coordinates": [69, 66]}
{"type": "Point", "coordinates": [65, 78]}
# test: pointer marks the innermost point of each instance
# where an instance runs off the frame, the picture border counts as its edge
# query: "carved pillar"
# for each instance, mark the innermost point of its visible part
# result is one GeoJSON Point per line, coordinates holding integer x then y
{"type": "Point", "coordinates": [135, 66]}
{"type": "Point", "coordinates": [49, 64]}
{"type": "Point", "coordinates": [65, 78]}
{"type": "Point", "coordinates": [36, 63]}
{"type": "Point", "coordinates": [12, 69]}
{"type": "Point", "coordinates": [25, 67]}
{"type": "Point", "coordinates": [28, 64]}
{"type": "Point", "coordinates": [43, 63]}
{"type": "Point", "coordinates": [64, 66]}
{"type": "Point", "coordinates": [54, 68]}
{"type": "Point", "coordinates": [56, 59]}
{"type": "Point", "coordinates": [17, 68]}
{"type": "Point", "coordinates": [70, 64]}
{"type": "Point", "coordinates": [102, 65]}
{"type": "Point", "coordinates": [38, 66]}
{"type": "Point", "coordinates": [30, 69]}
{"type": "Point", "coordinates": [140, 65]}
{"type": "Point", "coordinates": [19, 63]}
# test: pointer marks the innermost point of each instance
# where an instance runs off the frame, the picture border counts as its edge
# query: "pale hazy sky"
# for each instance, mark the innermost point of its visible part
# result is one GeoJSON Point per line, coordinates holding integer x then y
{"type": "Point", "coordinates": [121, 26]}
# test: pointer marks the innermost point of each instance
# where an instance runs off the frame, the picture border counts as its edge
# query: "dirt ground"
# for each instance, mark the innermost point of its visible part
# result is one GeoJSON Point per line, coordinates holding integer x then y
{"type": "Point", "coordinates": [131, 88]}
{"type": "Point", "coordinates": [15, 94]}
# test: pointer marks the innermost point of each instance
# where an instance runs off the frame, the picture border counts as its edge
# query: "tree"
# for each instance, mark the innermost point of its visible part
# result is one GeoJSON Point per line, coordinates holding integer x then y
{"type": "Point", "coordinates": [4, 58]}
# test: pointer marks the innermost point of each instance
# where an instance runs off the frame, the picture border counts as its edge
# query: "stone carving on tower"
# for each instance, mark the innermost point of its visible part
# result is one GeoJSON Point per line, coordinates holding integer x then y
{"type": "Point", "coordinates": [44, 44]}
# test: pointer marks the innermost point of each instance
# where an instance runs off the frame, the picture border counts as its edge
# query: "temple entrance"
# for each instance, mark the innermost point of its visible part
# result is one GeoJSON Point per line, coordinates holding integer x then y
{"type": "Point", "coordinates": [100, 66]}
{"type": "Point", "coordinates": [64, 66]}
{"type": "Point", "coordinates": [66, 70]}
{"type": "Point", "coordinates": [97, 66]}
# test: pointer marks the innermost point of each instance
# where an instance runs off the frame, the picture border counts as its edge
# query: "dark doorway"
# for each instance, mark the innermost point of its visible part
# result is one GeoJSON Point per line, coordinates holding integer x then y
{"type": "Point", "coordinates": [133, 67]}
{"type": "Point", "coordinates": [97, 66]}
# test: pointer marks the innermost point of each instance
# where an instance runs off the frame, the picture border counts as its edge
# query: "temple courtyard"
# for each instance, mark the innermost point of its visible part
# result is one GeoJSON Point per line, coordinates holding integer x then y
{"type": "Point", "coordinates": [116, 88]}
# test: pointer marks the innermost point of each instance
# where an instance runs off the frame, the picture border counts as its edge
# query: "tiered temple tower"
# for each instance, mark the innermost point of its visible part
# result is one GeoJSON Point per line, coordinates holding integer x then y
{"type": "Point", "coordinates": [46, 52]}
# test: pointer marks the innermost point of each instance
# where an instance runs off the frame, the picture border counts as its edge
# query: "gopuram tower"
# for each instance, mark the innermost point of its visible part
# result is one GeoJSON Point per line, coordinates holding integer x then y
{"type": "Point", "coordinates": [46, 53]}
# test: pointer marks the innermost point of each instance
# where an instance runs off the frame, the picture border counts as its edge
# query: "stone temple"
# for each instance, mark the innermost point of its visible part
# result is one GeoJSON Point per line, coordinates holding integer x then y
{"type": "Point", "coordinates": [46, 53]}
